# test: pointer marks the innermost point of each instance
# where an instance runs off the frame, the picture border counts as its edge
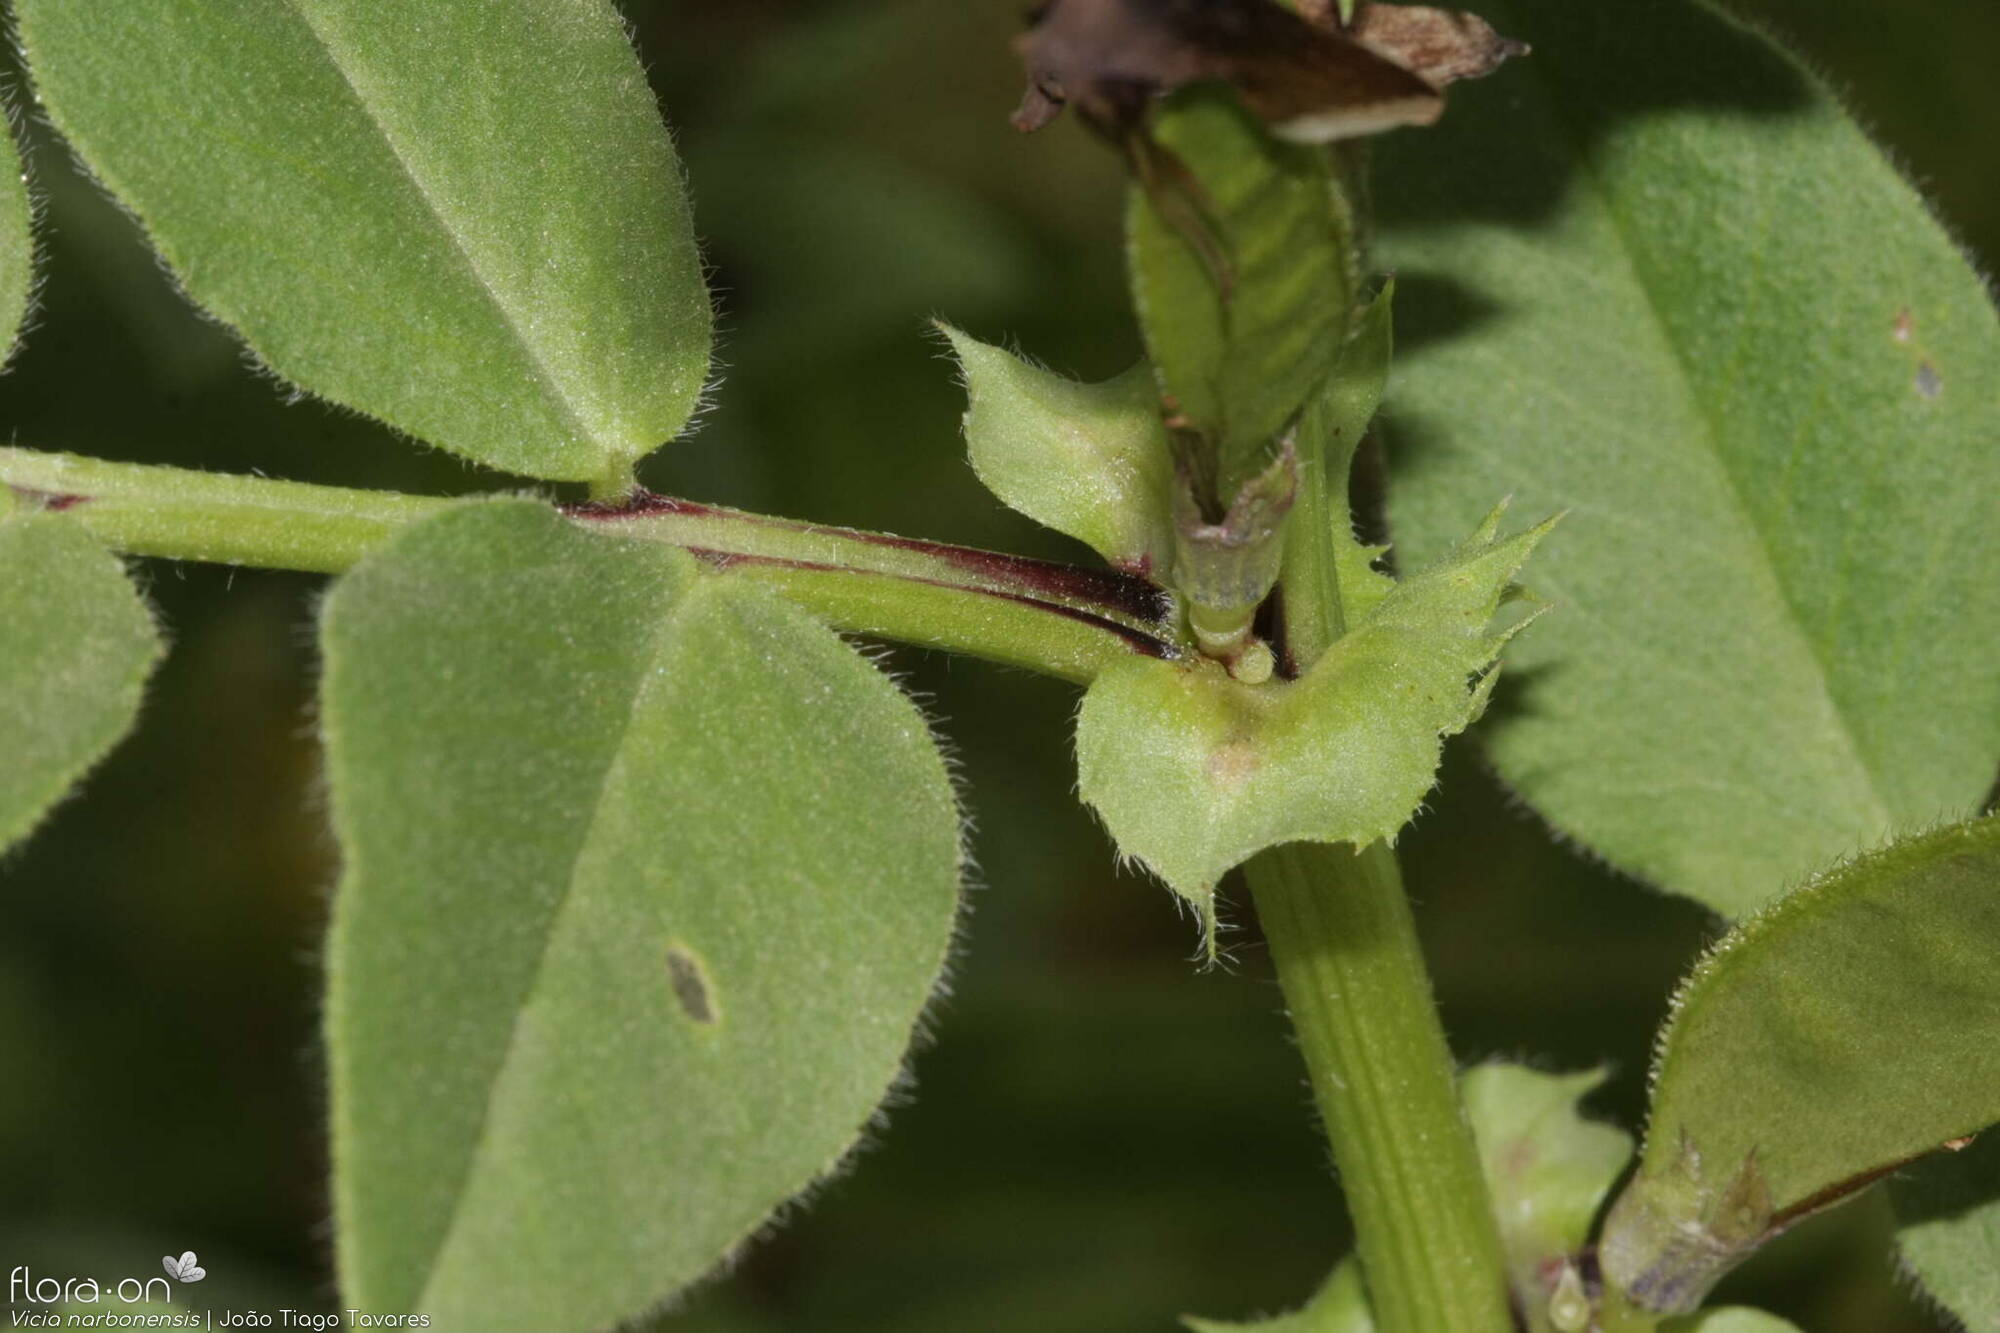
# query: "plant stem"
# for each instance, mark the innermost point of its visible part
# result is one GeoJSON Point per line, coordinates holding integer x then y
{"type": "Point", "coordinates": [1059, 620]}
{"type": "Point", "coordinates": [215, 517]}
{"type": "Point", "coordinates": [1308, 581]}
{"type": "Point", "coordinates": [1353, 976]}
{"type": "Point", "coordinates": [618, 483]}
{"type": "Point", "coordinates": [1360, 999]}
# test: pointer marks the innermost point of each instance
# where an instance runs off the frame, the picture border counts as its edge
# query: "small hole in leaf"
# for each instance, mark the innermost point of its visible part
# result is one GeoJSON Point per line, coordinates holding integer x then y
{"type": "Point", "coordinates": [690, 983]}
{"type": "Point", "coordinates": [1929, 383]}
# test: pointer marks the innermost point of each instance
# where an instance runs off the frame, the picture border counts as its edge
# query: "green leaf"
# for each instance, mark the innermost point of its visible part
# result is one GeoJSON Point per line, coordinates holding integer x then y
{"type": "Point", "coordinates": [1341, 1306]}
{"type": "Point", "coordinates": [17, 247]}
{"type": "Point", "coordinates": [1547, 1168]}
{"type": "Point", "coordinates": [1194, 773]}
{"type": "Point", "coordinates": [1243, 324]}
{"type": "Point", "coordinates": [1655, 275]}
{"type": "Point", "coordinates": [1949, 1209]}
{"type": "Point", "coordinates": [1851, 1026]}
{"type": "Point", "coordinates": [466, 220]}
{"type": "Point", "coordinates": [648, 877]}
{"type": "Point", "coordinates": [1089, 460]}
{"type": "Point", "coordinates": [76, 645]}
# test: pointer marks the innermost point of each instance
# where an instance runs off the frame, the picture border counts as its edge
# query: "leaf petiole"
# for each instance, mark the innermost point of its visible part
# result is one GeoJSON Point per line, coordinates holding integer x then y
{"type": "Point", "coordinates": [1061, 620]}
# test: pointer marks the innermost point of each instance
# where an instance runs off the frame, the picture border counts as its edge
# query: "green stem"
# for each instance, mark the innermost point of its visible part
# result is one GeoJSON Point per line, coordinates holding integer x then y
{"type": "Point", "coordinates": [1309, 583]}
{"type": "Point", "coordinates": [215, 517]}
{"type": "Point", "coordinates": [1057, 619]}
{"type": "Point", "coordinates": [1353, 976]}
{"type": "Point", "coordinates": [1062, 621]}
{"type": "Point", "coordinates": [1360, 998]}
{"type": "Point", "coordinates": [619, 483]}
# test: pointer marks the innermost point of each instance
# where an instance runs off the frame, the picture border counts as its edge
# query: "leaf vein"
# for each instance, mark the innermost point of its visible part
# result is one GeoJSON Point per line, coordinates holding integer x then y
{"type": "Point", "coordinates": [428, 195]}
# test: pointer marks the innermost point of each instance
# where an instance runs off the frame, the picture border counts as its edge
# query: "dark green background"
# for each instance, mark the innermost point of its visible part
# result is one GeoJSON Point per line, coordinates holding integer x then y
{"type": "Point", "coordinates": [1103, 1135]}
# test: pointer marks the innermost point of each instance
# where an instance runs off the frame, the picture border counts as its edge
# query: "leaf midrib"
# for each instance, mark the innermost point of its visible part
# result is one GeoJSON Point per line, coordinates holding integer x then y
{"type": "Point", "coordinates": [656, 647]}
{"type": "Point", "coordinates": [538, 362]}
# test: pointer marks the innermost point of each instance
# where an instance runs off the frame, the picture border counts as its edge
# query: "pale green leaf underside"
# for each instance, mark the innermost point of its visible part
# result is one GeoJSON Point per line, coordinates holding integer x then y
{"type": "Point", "coordinates": [1852, 1025]}
{"type": "Point", "coordinates": [648, 877]}
{"type": "Point", "coordinates": [1194, 773]}
{"type": "Point", "coordinates": [1949, 1210]}
{"type": "Point", "coordinates": [1548, 1169]}
{"type": "Point", "coordinates": [1089, 460]}
{"type": "Point", "coordinates": [1660, 279]}
{"type": "Point", "coordinates": [17, 247]}
{"type": "Point", "coordinates": [1341, 1306]}
{"type": "Point", "coordinates": [76, 644]}
{"type": "Point", "coordinates": [465, 219]}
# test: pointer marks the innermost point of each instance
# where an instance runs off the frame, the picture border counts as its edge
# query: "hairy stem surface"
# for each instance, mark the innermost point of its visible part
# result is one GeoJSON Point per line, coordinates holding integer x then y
{"type": "Point", "coordinates": [1354, 980]}
{"type": "Point", "coordinates": [1382, 1076]}
{"type": "Point", "coordinates": [1056, 619]}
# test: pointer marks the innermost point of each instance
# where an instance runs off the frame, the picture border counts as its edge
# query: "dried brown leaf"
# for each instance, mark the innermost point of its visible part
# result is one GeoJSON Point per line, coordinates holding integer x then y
{"type": "Point", "coordinates": [1304, 75]}
{"type": "Point", "coordinates": [1114, 57]}
{"type": "Point", "coordinates": [1440, 46]}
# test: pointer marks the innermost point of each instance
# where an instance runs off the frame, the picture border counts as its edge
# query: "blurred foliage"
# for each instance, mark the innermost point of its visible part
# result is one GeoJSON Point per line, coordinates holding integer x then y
{"type": "Point", "coordinates": [1103, 1136]}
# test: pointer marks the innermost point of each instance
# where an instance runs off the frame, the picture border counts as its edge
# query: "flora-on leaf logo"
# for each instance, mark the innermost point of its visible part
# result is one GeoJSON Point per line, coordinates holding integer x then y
{"type": "Point", "coordinates": [183, 1269]}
